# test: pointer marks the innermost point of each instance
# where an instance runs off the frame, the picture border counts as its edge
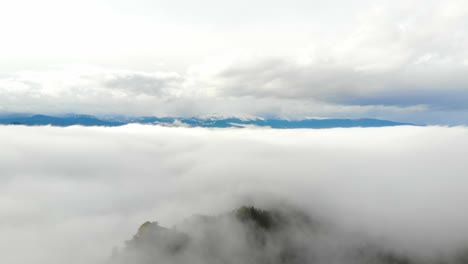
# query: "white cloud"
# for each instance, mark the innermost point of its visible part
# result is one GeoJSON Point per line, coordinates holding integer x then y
{"type": "Point", "coordinates": [71, 194]}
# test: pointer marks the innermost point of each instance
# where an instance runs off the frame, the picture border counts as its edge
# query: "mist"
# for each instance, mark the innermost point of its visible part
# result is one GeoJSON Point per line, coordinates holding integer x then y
{"type": "Point", "coordinates": [69, 195]}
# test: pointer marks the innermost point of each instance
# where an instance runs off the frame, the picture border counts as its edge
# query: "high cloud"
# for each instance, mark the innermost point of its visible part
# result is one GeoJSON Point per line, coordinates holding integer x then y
{"type": "Point", "coordinates": [71, 194]}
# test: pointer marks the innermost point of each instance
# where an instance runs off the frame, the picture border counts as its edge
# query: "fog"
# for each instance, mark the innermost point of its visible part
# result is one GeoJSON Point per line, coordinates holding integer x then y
{"type": "Point", "coordinates": [69, 195]}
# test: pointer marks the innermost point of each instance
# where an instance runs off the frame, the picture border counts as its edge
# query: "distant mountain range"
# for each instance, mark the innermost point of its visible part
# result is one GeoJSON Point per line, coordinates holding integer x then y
{"type": "Point", "coordinates": [87, 120]}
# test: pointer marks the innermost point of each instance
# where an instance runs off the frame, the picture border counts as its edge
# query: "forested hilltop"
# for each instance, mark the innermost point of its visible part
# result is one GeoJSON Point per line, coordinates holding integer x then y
{"type": "Point", "coordinates": [251, 235]}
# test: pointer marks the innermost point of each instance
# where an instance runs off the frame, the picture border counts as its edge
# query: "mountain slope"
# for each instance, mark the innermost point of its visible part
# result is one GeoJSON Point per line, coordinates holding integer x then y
{"type": "Point", "coordinates": [86, 120]}
{"type": "Point", "coordinates": [40, 120]}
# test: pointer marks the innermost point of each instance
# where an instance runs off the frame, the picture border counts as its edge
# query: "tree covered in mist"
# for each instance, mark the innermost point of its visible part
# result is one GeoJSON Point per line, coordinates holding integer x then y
{"type": "Point", "coordinates": [260, 218]}
{"type": "Point", "coordinates": [250, 235]}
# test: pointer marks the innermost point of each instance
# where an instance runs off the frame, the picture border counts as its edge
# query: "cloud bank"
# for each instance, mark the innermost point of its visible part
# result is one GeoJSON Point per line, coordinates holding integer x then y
{"type": "Point", "coordinates": [71, 194]}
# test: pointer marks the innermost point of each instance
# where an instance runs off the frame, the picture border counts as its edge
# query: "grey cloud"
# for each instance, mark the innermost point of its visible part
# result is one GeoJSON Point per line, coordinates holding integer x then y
{"type": "Point", "coordinates": [393, 51]}
{"type": "Point", "coordinates": [447, 100]}
{"type": "Point", "coordinates": [331, 83]}
{"type": "Point", "coordinates": [88, 90]}
{"type": "Point", "coordinates": [100, 91]}
{"type": "Point", "coordinates": [282, 78]}
{"type": "Point", "coordinates": [147, 84]}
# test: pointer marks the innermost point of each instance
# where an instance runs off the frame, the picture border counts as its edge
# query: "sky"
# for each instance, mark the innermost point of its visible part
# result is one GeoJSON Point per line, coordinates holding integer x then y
{"type": "Point", "coordinates": [398, 60]}
{"type": "Point", "coordinates": [69, 195]}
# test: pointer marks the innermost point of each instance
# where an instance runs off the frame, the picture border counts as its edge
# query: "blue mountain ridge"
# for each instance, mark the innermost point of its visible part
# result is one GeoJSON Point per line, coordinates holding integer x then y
{"type": "Point", "coordinates": [88, 120]}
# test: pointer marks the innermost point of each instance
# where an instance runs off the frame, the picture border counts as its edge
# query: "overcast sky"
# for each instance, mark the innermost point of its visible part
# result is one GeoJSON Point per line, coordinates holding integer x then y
{"type": "Point", "coordinates": [400, 60]}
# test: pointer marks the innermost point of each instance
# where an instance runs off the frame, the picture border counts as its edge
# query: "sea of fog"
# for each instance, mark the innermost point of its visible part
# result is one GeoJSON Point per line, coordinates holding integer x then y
{"type": "Point", "coordinates": [69, 195]}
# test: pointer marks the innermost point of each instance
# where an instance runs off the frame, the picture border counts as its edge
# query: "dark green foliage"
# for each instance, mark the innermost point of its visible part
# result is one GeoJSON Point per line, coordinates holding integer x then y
{"type": "Point", "coordinates": [260, 218]}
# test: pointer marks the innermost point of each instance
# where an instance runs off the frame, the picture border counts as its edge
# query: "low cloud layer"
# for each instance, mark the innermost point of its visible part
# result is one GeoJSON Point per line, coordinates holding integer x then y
{"type": "Point", "coordinates": [71, 194]}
